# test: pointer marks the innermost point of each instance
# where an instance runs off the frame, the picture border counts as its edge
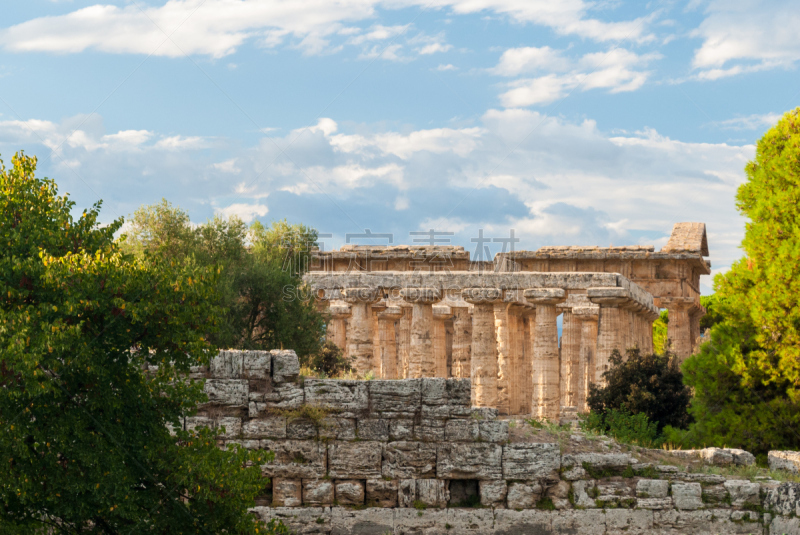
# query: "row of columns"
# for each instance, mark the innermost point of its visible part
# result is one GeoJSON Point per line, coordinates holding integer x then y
{"type": "Point", "coordinates": [508, 347]}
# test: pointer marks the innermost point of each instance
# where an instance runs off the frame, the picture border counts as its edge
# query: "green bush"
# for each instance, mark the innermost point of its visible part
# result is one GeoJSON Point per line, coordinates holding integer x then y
{"type": "Point", "coordinates": [648, 384]}
{"type": "Point", "coordinates": [330, 361]}
{"type": "Point", "coordinates": [624, 427]}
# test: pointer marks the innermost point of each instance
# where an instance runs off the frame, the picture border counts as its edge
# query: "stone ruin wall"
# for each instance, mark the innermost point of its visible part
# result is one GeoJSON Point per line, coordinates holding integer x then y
{"type": "Point", "coordinates": [405, 456]}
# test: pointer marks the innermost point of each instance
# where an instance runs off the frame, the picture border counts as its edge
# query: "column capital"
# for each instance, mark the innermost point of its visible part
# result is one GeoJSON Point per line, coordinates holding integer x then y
{"type": "Point", "coordinates": [608, 296]}
{"type": "Point", "coordinates": [545, 296]}
{"type": "Point", "coordinates": [678, 302]}
{"type": "Point", "coordinates": [590, 313]}
{"type": "Point", "coordinates": [480, 296]}
{"type": "Point", "coordinates": [441, 312]}
{"type": "Point", "coordinates": [422, 296]}
{"type": "Point", "coordinates": [360, 295]}
{"type": "Point", "coordinates": [391, 313]}
{"type": "Point", "coordinates": [339, 311]}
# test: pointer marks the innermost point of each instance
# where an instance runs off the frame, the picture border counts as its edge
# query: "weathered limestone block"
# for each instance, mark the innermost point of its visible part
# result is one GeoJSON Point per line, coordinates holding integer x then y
{"type": "Point", "coordinates": [402, 429]}
{"type": "Point", "coordinates": [349, 492]}
{"type": "Point", "coordinates": [271, 427]}
{"type": "Point", "coordinates": [350, 460]}
{"type": "Point", "coordinates": [349, 398]}
{"type": "Point", "coordinates": [409, 460]}
{"type": "Point", "coordinates": [784, 499]}
{"type": "Point", "coordinates": [718, 493]}
{"type": "Point", "coordinates": [246, 444]}
{"type": "Point", "coordinates": [708, 479]}
{"type": "Point", "coordinates": [300, 459]}
{"type": "Point", "coordinates": [627, 521]}
{"type": "Point", "coordinates": [413, 522]}
{"type": "Point", "coordinates": [395, 399]}
{"type": "Point", "coordinates": [705, 522]}
{"type": "Point", "coordinates": [527, 521]}
{"type": "Point", "coordinates": [193, 423]}
{"type": "Point", "coordinates": [286, 492]}
{"type": "Point", "coordinates": [484, 413]}
{"type": "Point", "coordinates": [523, 495]}
{"type": "Point", "coordinates": [461, 431]}
{"type": "Point", "coordinates": [477, 521]}
{"type": "Point", "coordinates": [687, 496]}
{"type": "Point", "coordinates": [256, 364]}
{"type": "Point", "coordinates": [584, 493]}
{"type": "Point", "coordinates": [283, 396]}
{"type": "Point", "coordinates": [654, 503]}
{"type": "Point", "coordinates": [531, 461]}
{"type": "Point", "coordinates": [229, 427]}
{"type": "Point", "coordinates": [469, 461]}
{"type": "Point", "coordinates": [338, 428]}
{"type": "Point", "coordinates": [229, 392]}
{"type": "Point", "coordinates": [495, 432]}
{"type": "Point", "coordinates": [598, 460]}
{"type": "Point", "coordinates": [301, 429]}
{"type": "Point", "coordinates": [299, 520]}
{"type": "Point", "coordinates": [652, 488]}
{"type": "Point", "coordinates": [382, 493]}
{"type": "Point", "coordinates": [784, 460]}
{"type": "Point", "coordinates": [285, 365]}
{"type": "Point", "coordinates": [406, 492]}
{"type": "Point", "coordinates": [718, 456]}
{"type": "Point", "coordinates": [372, 429]}
{"type": "Point", "coordinates": [784, 526]}
{"type": "Point", "coordinates": [581, 522]}
{"type": "Point", "coordinates": [430, 430]}
{"type": "Point", "coordinates": [317, 492]}
{"type": "Point", "coordinates": [493, 493]}
{"type": "Point", "coordinates": [559, 493]}
{"type": "Point", "coordinates": [574, 474]}
{"type": "Point", "coordinates": [346, 521]}
{"type": "Point", "coordinates": [432, 492]}
{"type": "Point", "coordinates": [226, 365]}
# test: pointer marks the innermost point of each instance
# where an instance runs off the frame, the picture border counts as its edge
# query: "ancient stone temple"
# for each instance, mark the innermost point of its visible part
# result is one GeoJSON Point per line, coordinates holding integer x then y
{"type": "Point", "coordinates": [429, 311]}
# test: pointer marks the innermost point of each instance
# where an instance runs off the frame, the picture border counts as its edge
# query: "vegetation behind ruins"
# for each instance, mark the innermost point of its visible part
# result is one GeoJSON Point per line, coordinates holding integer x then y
{"type": "Point", "coordinates": [746, 378]}
{"type": "Point", "coordinates": [92, 341]}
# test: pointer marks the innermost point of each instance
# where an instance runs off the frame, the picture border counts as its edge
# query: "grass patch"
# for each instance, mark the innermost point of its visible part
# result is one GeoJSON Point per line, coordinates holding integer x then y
{"type": "Point", "coordinates": [546, 504]}
{"type": "Point", "coordinates": [305, 412]}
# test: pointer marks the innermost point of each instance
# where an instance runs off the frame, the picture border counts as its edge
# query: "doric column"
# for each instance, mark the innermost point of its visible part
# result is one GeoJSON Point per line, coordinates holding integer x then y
{"type": "Point", "coordinates": [388, 341]}
{"type": "Point", "coordinates": [503, 341]}
{"type": "Point", "coordinates": [570, 357]}
{"type": "Point", "coordinates": [359, 336]}
{"type": "Point", "coordinates": [462, 342]}
{"type": "Point", "coordinates": [629, 311]}
{"type": "Point", "coordinates": [483, 361]}
{"type": "Point", "coordinates": [517, 335]}
{"type": "Point", "coordinates": [421, 363]}
{"type": "Point", "coordinates": [587, 316]}
{"type": "Point", "coordinates": [440, 315]}
{"type": "Point", "coordinates": [404, 343]}
{"type": "Point", "coordinates": [610, 326]}
{"type": "Point", "coordinates": [336, 330]}
{"type": "Point", "coordinates": [546, 399]}
{"type": "Point", "coordinates": [526, 377]}
{"type": "Point", "coordinates": [679, 330]}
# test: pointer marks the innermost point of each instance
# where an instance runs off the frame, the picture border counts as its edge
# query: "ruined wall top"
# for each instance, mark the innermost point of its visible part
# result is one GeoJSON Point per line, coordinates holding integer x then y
{"type": "Point", "coordinates": [687, 238]}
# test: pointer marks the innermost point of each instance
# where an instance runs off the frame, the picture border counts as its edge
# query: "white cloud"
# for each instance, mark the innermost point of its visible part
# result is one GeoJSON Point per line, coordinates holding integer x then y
{"type": "Point", "coordinates": [245, 212]}
{"type": "Point", "coordinates": [379, 33]}
{"type": "Point", "coordinates": [741, 36]}
{"type": "Point", "coordinates": [217, 28]}
{"type": "Point", "coordinates": [617, 70]}
{"type": "Point", "coordinates": [182, 143]}
{"type": "Point", "coordinates": [750, 122]}
{"type": "Point", "coordinates": [446, 67]}
{"type": "Point", "coordinates": [228, 166]}
{"type": "Point", "coordinates": [552, 180]}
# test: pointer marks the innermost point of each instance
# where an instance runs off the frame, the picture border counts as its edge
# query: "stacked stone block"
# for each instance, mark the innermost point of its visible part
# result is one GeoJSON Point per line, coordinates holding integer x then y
{"type": "Point", "coordinates": [412, 456]}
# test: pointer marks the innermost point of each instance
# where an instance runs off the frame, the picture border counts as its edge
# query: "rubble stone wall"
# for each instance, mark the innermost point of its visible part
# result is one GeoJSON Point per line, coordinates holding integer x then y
{"type": "Point", "coordinates": [412, 457]}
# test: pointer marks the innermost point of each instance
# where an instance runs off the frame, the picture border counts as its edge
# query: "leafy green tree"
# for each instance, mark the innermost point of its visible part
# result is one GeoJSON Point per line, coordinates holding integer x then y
{"type": "Point", "coordinates": [643, 384]}
{"type": "Point", "coordinates": [93, 343]}
{"type": "Point", "coordinates": [260, 288]}
{"type": "Point", "coordinates": [660, 336]}
{"type": "Point", "coordinates": [747, 377]}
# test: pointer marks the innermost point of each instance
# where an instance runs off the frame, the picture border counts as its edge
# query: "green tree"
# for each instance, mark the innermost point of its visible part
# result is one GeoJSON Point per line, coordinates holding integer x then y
{"type": "Point", "coordinates": [643, 384]}
{"type": "Point", "coordinates": [93, 343]}
{"type": "Point", "coordinates": [260, 288]}
{"type": "Point", "coordinates": [747, 377]}
{"type": "Point", "coordinates": [660, 330]}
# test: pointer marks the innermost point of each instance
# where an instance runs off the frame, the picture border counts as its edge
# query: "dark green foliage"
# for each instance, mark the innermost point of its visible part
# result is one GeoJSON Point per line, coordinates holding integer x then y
{"type": "Point", "coordinates": [84, 440]}
{"type": "Point", "coordinates": [651, 385]}
{"type": "Point", "coordinates": [330, 361]}
{"type": "Point", "coordinates": [713, 314]}
{"type": "Point", "coordinates": [624, 427]}
{"type": "Point", "coordinates": [260, 289]}
{"type": "Point", "coordinates": [746, 379]}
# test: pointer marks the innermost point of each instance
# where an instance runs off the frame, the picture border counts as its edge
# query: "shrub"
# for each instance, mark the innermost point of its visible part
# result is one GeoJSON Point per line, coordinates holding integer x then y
{"type": "Point", "coordinates": [648, 384]}
{"type": "Point", "coordinates": [330, 361]}
{"type": "Point", "coordinates": [624, 427]}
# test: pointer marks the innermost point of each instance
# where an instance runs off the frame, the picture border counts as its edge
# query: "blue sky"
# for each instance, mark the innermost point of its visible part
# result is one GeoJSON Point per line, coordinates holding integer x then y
{"type": "Point", "coordinates": [570, 122]}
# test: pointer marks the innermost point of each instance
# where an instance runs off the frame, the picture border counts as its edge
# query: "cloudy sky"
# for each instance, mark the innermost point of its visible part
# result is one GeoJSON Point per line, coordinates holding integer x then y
{"type": "Point", "coordinates": [566, 121]}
